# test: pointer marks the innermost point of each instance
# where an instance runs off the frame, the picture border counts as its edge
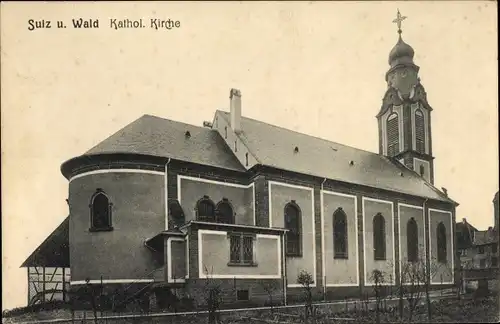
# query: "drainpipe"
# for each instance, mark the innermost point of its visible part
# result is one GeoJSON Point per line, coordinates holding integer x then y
{"type": "Point", "coordinates": [165, 251]}
{"type": "Point", "coordinates": [323, 252]}
{"type": "Point", "coordinates": [283, 258]}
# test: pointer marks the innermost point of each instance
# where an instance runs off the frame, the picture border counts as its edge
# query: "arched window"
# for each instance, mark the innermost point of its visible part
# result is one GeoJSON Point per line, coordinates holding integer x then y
{"type": "Point", "coordinates": [176, 212]}
{"type": "Point", "coordinates": [340, 234]}
{"type": "Point", "coordinates": [246, 159]}
{"type": "Point", "coordinates": [205, 210]}
{"type": "Point", "coordinates": [441, 243]}
{"type": "Point", "coordinates": [379, 237]}
{"type": "Point", "coordinates": [225, 212]}
{"type": "Point", "coordinates": [419, 131]}
{"type": "Point", "coordinates": [412, 240]}
{"type": "Point", "coordinates": [100, 212]}
{"type": "Point", "coordinates": [392, 134]}
{"type": "Point", "coordinates": [294, 226]}
{"type": "Point", "coordinates": [225, 132]}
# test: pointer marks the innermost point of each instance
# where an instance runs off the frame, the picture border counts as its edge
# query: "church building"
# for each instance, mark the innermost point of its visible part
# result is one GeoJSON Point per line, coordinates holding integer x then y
{"type": "Point", "coordinates": [243, 204]}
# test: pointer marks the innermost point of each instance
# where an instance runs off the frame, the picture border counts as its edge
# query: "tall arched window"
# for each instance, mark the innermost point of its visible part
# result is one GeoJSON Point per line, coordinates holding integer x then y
{"type": "Point", "coordinates": [393, 134]}
{"type": "Point", "coordinates": [205, 210]}
{"type": "Point", "coordinates": [100, 212]}
{"type": "Point", "coordinates": [293, 224]}
{"type": "Point", "coordinates": [419, 131]}
{"type": "Point", "coordinates": [441, 243]}
{"type": "Point", "coordinates": [340, 234]}
{"type": "Point", "coordinates": [412, 240]}
{"type": "Point", "coordinates": [225, 212]}
{"type": "Point", "coordinates": [379, 237]}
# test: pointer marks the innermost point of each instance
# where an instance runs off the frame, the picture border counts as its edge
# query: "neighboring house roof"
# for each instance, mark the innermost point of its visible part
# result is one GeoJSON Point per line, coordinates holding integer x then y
{"type": "Point", "coordinates": [485, 237]}
{"type": "Point", "coordinates": [54, 251]}
{"type": "Point", "coordinates": [155, 136]}
{"type": "Point", "coordinates": [274, 146]}
{"type": "Point", "coordinates": [465, 235]}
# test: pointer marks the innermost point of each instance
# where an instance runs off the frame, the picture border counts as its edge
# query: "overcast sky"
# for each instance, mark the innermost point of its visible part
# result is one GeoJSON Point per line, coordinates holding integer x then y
{"type": "Point", "coordinates": [317, 68]}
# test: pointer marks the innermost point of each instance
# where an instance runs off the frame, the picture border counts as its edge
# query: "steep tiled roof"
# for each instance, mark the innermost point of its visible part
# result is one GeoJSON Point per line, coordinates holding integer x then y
{"type": "Point", "coordinates": [54, 251]}
{"type": "Point", "coordinates": [150, 135]}
{"type": "Point", "coordinates": [275, 146]}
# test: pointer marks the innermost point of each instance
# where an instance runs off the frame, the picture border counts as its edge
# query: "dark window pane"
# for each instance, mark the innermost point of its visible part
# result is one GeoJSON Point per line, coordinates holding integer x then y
{"type": "Point", "coordinates": [225, 213]}
{"type": "Point", "coordinates": [100, 211]}
{"type": "Point", "coordinates": [235, 247]}
{"type": "Point", "coordinates": [293, 224]}
{"type": "Point", "coordinates": [206, 210]}
{"type": "Point", "coordinates": [340, 235]}
{"type": "Point", "coordinates": [441, 243]}
{"type": "Point", "coordinates": [379, 237]}
{"type": "Point", "coordinates": [419, 132]}
{"type": "Point", "coordinates": [247, 249]}
{"type": "Point", "coordinates": [412, 240]}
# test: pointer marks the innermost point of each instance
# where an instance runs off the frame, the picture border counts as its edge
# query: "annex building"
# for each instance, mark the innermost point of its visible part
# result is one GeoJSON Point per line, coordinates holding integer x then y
{"type": "Point", "coordinates": [240, 202]}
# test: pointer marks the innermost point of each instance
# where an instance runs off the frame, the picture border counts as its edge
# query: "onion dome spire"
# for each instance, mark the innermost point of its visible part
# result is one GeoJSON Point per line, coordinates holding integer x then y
{"type": "Point", "coordinates": [401, 53]}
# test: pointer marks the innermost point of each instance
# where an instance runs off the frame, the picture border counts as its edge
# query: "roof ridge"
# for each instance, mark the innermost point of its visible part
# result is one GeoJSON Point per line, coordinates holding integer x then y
{"type": "Point", "coordinates": [304, 134]}
{"type": "Point", "coordinates": [240, 136]}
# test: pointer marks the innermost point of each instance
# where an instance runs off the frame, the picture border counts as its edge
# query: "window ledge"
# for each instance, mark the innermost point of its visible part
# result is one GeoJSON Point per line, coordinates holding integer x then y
{"type": "Point", "coordinates": [101, 229]}
{"type": "Point", "coordinates": [341, 257]}
{"type": "Point", "coordinates": [234, 264]}
{"type": "Point", "coordinates": [294, 255]}
{"type": "Point", "coordinates": [379, 259]}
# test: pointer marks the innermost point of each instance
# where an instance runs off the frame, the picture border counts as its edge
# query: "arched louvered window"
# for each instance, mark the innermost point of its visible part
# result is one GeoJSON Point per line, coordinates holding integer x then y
{"type": "Point", "coordinates": [340, 234]}
{"type": "Point", "coordinates": [293, 224]}
{"type": "Point", "coordinates": [205, 210]}
{"type": "Point", "coordinates": [412, 240]}
{"type": "Point", "coordinates": [225, 213]}
{"type": "Point", "coordinates": [441, 243]}
{"type": "Point", "coordinates": [379, 237]}
{"type": "Point", "coordinates": [393, 134]}
{"type": "Point", "coordinates": [419, 131]}
{"type": "Point", "coordinates": [100, 212]}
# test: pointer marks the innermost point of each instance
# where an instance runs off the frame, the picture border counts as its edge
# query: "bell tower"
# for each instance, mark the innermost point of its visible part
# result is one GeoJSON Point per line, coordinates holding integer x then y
{"type": "Point", "coordinates": [404, 120]}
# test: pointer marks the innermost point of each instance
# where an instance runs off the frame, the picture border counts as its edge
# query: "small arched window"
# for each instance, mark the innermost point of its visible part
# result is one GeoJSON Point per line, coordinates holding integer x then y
{"type": "Point", "coordinates": [412, 240]}
{"type": "Point", "coordinates": [419, 131]}
{"type": "Point", "coordinates": [441, 243]}
{"type": "Point", "coordinates": [205, 210]}
{"type": "Point", "coordinates": [379, 237]}
{"type": "Point", "coordinates": [100, 212]}
{"type": "Point", "coordinates": [246, 159]}
{"type": "Point", "coordinates": [225, 213]}
{"type": "Point", "coordinates": [340, 234]}
{"type": "Point", "coordinates": [393, 134]}
{"type": "Point", "coordinates": [176, 212]}
{"type": "Point", "coordinates": [225, 132]}
{"type": "Point", "coordinates": [293, 224]}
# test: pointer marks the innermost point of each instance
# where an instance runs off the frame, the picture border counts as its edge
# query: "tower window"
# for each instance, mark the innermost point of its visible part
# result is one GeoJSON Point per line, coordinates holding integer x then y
{"type": "Point", "coordinates": [294, 225]}
{"type": "Point", "coordinates": [100, 212]}
{"type": "Point", "coordinates": [412, 240]}
{"type": "Point", "coordinates": [379, 237]}
{"type": "Point", "coordinates": [441, 243]}
{"type": "Point", "coordinates": [422, 170]}
{"type": "Point", "coordinates": [340, 234]}
{"type": "Point", "coordinates": [393, 134]}
{"type": "Point", "coordinates": [205, 210]}
{"type": "Point", "coordinates": [419, 131]}
{"type": "Point", "coordinates": [225, 132]}
{"type": "Point", "coordinates": [246, 159]}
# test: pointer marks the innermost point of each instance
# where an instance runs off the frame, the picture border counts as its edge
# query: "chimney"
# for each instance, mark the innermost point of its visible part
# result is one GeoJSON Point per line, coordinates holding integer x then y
{"type": "Point", "coordinates": [235, 109]}
{"type": "Point", "coordinates": [445, 191]}
{"type": "Point", "coordinates": [464, 220]}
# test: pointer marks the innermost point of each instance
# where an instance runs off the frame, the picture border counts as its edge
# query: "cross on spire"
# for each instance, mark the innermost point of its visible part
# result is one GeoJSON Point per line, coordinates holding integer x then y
{"type": "Point", "coordinates": [398, 21]}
